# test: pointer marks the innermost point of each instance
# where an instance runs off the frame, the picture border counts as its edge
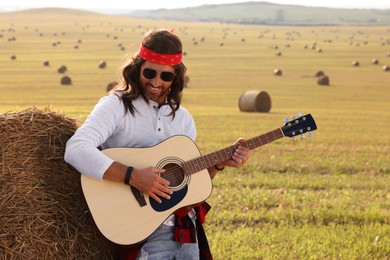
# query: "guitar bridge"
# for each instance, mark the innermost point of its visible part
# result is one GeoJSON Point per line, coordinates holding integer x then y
{"type": "Point", "coordinates": [139, 196]}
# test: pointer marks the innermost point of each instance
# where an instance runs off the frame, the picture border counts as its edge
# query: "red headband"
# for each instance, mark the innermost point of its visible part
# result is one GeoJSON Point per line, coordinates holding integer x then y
{"type": "Point", "coordinates": [155, 57]}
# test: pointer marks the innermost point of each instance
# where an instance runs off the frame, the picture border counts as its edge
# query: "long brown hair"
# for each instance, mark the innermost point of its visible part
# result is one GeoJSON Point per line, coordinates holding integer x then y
{"type": "Point", "coordinates": [160, 41]}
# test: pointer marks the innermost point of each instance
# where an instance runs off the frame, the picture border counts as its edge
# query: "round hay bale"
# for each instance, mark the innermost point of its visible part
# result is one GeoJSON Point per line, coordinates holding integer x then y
{"type": "Point", "coordinates": [111, 85]}
{"type": "Point", "coordinates": [278, 72]}
{"type": "Point", "coordinates": [13, 57]}
{"type": "Point", "coordinates": [102, 64]}
{"type": "Point", "coordinates": [386, 68]}
{"type": "Point", "coordinates": [319, 74]}
{"type": "Point", "coordinates": [186, 80]}
{"type": "Point", "coordinates": [46, 63]}
{"type": "Point", "coordinates": [323, 80]}
{"type": "Point", "coordinates": [375, 61]}
{"type": "Point", "coordinates": [62, 69]}
{"type": "Point", "coordinates": [254, 101]}
{"type": "Point", "coordinates": [66, 80]}
{"type": "Point", "coordinates": [355, 63]}
{"type": "Point", "coordinates": [43, 212]}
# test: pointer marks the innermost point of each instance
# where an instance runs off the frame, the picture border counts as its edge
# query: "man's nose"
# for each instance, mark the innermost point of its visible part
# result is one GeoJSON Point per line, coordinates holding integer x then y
{"type": "Point", "coordinates": [157, 80]}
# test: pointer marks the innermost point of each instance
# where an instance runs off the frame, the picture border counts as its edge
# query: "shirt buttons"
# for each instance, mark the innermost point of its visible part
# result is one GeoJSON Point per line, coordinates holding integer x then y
{"type": "Point", "coordinates": [159, 129]}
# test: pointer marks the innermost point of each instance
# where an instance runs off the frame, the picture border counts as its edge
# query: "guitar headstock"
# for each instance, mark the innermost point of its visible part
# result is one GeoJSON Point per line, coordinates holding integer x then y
{"type": "Point", "coordinates": [298, 126]}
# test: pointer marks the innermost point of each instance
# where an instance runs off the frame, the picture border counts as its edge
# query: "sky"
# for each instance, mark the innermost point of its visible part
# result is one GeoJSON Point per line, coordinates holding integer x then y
{"type": "Point", "coordinates": [127, 5]}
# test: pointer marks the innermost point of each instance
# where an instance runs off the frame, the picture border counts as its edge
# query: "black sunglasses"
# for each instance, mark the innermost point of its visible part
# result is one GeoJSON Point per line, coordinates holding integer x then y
{"type": "Point", "coordinates": [165, 75]}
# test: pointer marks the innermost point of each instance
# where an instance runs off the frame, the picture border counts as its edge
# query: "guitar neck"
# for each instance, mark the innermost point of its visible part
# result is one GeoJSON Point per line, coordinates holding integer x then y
{"type": "Point", "coordinates": [208, 160]}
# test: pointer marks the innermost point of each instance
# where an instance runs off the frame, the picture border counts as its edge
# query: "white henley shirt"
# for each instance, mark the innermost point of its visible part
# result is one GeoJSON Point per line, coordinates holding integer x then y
{"type": "Point", "coordinates": [109, 126]}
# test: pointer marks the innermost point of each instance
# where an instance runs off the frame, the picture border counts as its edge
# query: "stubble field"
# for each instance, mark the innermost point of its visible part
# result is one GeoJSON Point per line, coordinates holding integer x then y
{"type": "Point", "coordinates": [325, 197]}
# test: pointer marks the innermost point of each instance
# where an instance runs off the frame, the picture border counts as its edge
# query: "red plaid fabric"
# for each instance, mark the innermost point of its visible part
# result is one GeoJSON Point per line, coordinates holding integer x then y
{"type": "Point", "coordinates": [184, 232]}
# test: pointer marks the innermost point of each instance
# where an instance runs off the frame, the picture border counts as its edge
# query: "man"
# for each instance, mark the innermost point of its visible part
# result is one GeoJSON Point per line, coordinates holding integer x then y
{"type": "Point", "coordinates": [143, 110]}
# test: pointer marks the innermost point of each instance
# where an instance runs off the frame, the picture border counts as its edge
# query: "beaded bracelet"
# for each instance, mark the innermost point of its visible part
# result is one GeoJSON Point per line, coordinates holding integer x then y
{"type": "Point", "coordinates": [218, 169]}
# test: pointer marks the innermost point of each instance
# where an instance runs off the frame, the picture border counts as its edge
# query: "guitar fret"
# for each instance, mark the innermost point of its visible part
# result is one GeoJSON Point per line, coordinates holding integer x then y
{"type": "Point", "coordinates": [208, 160]}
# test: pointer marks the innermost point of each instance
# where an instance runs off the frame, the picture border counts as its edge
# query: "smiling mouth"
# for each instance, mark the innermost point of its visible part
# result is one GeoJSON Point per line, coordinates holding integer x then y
{"type": "Point", "coordinates": [153, 87]}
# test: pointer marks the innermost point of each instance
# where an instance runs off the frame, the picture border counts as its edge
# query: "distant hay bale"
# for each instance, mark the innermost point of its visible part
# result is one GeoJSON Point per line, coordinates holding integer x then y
{"type": "Point", "coordinates": [278, 53]}
{"type": "Point", "coordinates": [254, 101]}
{"type": "Point", "coordinates": [278, 72]}
{"type": "Point", "coordinates": [46, 63]}
{"type": "Point", "coordinates": [375, 61]}
{"type": "Point", "coordinates": [323, 80]}
{"type": "Point", "coordinates": [13, 57]}
{"type": "Point", "coordinates": [102, 64]}
{"type": "Point", "coordinates": [386, 68]}
{"type": "Point", "coordinates": [62, 69]}
{"type": "Point", "coordinates": [110, 86]}
{"type": "Point", "coordinates": [43, 213]}
{"type": "Point", "coordinates": [66, 80]}
{"type": "Point", "coordinates": [186, 80]}
{"type": "Point", "coordinates": [355, 63]}
{"type": "Point", "coordinates": [319, 74]}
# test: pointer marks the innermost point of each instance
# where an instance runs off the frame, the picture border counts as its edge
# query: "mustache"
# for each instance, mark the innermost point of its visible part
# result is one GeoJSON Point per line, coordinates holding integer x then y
{"type": "Point", "coordinates": [164, 91]}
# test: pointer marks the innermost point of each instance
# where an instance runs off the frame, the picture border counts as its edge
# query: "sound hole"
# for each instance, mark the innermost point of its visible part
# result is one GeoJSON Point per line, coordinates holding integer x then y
{"type": "Point", "coordinates": [174, 174]}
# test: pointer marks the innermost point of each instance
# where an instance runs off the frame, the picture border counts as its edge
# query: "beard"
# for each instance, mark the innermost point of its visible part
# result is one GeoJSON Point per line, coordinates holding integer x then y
{"type": "Point", "coordinates": [157, 97]}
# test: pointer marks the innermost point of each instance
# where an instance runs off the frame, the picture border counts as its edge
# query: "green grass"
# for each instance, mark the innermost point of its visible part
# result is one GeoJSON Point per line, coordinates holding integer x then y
{"type": "Point", "coordinates": [322, 198]}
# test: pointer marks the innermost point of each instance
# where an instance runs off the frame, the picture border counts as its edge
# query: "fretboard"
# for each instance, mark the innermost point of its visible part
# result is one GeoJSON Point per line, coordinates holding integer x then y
{"type": "Point", "coordinates": [208, 160]}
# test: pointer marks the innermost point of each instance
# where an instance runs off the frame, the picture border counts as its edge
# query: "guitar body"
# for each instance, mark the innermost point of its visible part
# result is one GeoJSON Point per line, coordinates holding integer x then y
{"type": "Point", "coordinates": [114, 208]}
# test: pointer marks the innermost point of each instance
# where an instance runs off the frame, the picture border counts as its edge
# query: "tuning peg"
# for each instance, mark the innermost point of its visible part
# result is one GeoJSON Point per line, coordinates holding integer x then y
{"type": "Point", "coordinates": [285, 120]}
{"type": "Point", "coordinates": [294, 139]}
{"type": "Point", "coordinates": [309, 134]}
{"type": "Point", "coordinates": [303, 137]}
{"type": "Point", "coordinates": [293, 117]}
{"type": "Point", "coordinates": [300, 114]}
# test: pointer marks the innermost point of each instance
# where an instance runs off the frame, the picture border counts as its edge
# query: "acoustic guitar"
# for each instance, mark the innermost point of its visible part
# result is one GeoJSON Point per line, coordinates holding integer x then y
{"type": "Point", "coordinates": [126, 216]}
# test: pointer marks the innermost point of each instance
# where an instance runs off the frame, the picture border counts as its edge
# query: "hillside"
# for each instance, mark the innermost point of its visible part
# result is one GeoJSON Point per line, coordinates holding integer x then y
{"type": "Point", "coordinates": [269, 14]}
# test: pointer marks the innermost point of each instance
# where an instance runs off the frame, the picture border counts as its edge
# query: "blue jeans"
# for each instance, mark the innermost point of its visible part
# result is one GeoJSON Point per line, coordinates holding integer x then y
{"type": "Point", "coordinates": [161, 245]}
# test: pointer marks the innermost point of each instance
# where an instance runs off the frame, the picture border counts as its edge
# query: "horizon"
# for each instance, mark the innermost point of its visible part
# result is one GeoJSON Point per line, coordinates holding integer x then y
{"type": "Point", "coordinates": [117, 6]}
